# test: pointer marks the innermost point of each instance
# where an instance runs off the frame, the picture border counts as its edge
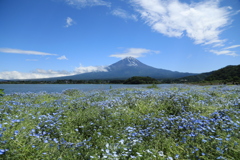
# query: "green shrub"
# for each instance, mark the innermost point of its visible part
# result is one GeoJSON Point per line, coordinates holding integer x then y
{"type": "Point", "coordinates": [152, 86]}
{"type": "Point", "coordinates": [1, 92]}
{"type": "Point", "coordinates": [72, 92]}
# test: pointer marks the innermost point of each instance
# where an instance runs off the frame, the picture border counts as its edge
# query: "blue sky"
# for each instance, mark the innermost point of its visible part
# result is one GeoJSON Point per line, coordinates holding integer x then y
{"type": "Point", "coordinates": [49, 38]}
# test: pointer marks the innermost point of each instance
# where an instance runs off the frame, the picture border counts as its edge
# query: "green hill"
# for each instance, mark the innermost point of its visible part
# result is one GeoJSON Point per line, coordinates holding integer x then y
{"type": "Point", "coordinates": [195, 78]}
{"type": "Point", "coordinates": [227, 74]}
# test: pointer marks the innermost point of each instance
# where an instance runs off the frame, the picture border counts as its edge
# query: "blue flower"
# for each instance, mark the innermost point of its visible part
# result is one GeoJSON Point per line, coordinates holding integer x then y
{"type": "Point", "coordinates": [176, 156]}
{"type": "Point", "coordinates": [220, 139]}
{"type": "Point", "coordinates": [15, 120]}
{"type": "Point", "coordinates": [133, 156]}
{"type": "Point", "coordinates": [2, 151]}
{"type": "Point", "coordinates": [161, 153]}
{"type": "Point", "coordinates": [169, 158]}
{"type": "Point", "coordinates": [16, 132]}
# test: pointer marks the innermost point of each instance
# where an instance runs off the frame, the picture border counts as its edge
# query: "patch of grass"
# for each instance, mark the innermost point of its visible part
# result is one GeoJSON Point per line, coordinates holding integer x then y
{"type": "Point", "coordinates": [152, 86]}
{"type": "Point", "coordinates": [2, 92]}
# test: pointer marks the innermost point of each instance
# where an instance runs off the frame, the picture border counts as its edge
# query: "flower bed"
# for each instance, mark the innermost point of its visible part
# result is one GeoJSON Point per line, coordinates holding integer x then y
{"type": "Point", "coordinates": [187, 122]}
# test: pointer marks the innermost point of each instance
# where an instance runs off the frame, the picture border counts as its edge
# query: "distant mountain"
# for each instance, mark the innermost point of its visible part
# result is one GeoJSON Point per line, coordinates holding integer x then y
{"type": "Point", "coordinates": [229, 73]}
{"type": "Point", "coordinates": [125, 69]}
{"type": "Point", "coordinates": [195, 78]}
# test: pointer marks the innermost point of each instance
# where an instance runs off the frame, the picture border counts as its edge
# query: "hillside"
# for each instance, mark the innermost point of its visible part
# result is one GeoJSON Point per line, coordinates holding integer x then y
{"type": "Point", "coordinates": [229, 74]}
{"type": "Point", "coordinates": [195, 78]}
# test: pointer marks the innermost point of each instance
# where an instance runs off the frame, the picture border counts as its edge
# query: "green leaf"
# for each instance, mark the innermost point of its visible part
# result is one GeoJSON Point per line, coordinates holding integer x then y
{"type": "Point", "coordinates": [1, 92]}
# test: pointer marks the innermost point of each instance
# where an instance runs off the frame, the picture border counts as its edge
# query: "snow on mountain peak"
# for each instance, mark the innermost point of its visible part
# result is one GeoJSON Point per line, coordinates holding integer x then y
{"type": "Point", "coordinates": [131, 61]}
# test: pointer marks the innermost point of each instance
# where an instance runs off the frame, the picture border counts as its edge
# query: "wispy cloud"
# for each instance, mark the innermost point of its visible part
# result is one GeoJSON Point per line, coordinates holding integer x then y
{"type": "Point", "coordinates": [41, 73]}
{"type": "Point", "coordinates": [86, 3]}
{"type": "Point", "coordinates": [69, 22]}
{"type": "Point", "coordinates": [234, 46]}
{"type": "Point", "coordinates": [62, 58]}
{"type": "Point", "coordinates": [52, 72]}
{"type": "Point", "coordinates": [124, 14]}
{"type": "Point", "coordinates": [19, 51]}
{"type": "Point", "coordinates": [224, 52]}
{"type": "Point", "coordinates": [134, 52]}
{"type": "Point", "coordinates": [82, 69]}
{"type": "Point", "coordinates": [203, 21]}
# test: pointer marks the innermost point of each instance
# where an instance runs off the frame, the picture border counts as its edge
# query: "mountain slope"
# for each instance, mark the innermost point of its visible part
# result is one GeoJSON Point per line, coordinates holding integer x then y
{"type": "Point", "coordinates": [130, 67]}
{"type": "Point", "coordinates": [228, 73]}
{"type": "Point", "coordinates": [195, 78]}
{"type": "Point", "coordinates": [127, 68]}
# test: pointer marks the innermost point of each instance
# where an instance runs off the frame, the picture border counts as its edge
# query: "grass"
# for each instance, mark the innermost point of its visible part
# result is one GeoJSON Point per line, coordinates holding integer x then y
{"type": "Point", "coordinates": [152, 86]}
{"type": "Point", "coordinates": [187, 122]}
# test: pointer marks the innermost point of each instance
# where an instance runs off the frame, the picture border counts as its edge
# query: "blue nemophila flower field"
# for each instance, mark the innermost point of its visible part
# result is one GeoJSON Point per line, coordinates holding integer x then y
{"type": "Point", "coordinates": [187, 122]}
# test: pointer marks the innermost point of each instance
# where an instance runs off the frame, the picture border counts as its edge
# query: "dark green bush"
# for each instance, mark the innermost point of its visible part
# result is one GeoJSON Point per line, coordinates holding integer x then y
{"type": "Point", "coordinates": [1, 92]}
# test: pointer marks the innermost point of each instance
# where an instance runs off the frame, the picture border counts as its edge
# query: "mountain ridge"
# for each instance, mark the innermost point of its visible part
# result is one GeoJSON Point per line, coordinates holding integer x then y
{"type": "Point", "coordinates": [230, 73]}
{"type": "Point", "coordinates": [124, 69]}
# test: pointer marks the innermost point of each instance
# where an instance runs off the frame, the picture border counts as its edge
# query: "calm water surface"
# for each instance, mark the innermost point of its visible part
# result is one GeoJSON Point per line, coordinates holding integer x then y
{"type": "Point", "coordinates": [12, 88]}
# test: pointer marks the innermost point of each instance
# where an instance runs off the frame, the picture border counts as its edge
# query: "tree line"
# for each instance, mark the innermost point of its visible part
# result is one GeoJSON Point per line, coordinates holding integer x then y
{"type": "Point", "coordinates": [132, 80]}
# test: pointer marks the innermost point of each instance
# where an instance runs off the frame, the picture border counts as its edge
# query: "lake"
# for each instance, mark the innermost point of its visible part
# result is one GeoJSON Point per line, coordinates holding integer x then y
{"type": "Point", "coordinates": [12, 88]}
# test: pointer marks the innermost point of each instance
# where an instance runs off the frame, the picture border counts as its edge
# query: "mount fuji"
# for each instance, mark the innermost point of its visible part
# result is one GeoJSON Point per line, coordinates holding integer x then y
{"type": "Point", "coordinates": [126, 68]}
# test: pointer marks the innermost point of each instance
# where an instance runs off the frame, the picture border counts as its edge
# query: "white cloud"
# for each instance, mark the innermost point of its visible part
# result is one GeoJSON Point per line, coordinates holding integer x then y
{"type": "Point", "coordinates": [234, 46]}
{"type": "Point", "coordinates": [224, 52]}
{"type": "Point", "coordinates": [19, 51]}
{"type": "Point", "coordinates": [203, 21]}
{"type": "Point", "coordinates": [124, 14]}
{"type": "Point", "coordinates": [62, 58]}
{"type": "Point", "coordinates": [82, 69]}
{"type": "Point", "coordinates": [85, 3]}
{"type": "Point", "coordinates": [39, 73]}
{"type": "Point", "coordinates": [134, 52]}
{"type": "Point", "coordinates": [69, 22]}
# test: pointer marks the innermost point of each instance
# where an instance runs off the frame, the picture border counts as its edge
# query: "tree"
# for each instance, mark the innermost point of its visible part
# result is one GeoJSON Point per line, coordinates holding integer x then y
{"type": "Point", "coordinates": [140, 80]}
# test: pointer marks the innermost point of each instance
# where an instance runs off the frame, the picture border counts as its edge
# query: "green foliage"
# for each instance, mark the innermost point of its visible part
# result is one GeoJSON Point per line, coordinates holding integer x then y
{"type": "Point", "coordinates": [152, 86]}
{"type": "Point", "coordinates": [195, 78]}
{"type": "Point", "coordinates": [140, 80]}
{"type": "Point", "coordinates": [72, 92]}
{"type": "Point", "coordinates": [181, 122]}
{"type": "Point", "coordinates": [2, 92]}
{"type": "Point", "coordinates": [227, 74]}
